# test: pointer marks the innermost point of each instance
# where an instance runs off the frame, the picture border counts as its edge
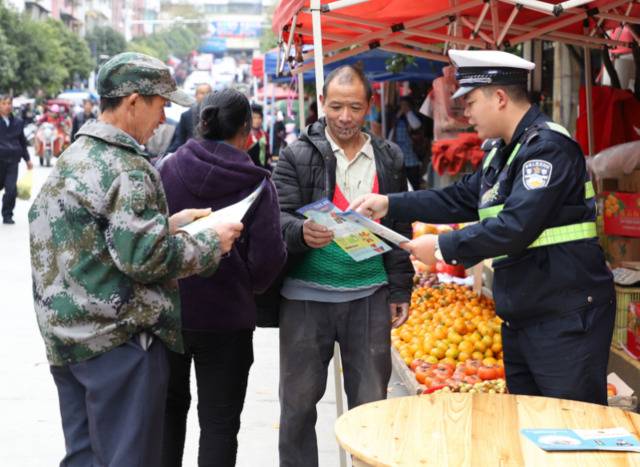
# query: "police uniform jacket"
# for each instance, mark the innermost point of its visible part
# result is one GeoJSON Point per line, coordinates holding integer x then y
{"type": "Point", "coordinates": [542, 187]}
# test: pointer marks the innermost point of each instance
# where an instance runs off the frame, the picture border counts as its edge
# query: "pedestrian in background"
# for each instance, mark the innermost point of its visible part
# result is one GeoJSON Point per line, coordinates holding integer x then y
{"type": "Point", "coordinates": [13, 148]}
{"type": "Point", "coordinates": [407, 124]}
{"type": "Point", "coordinates": [188, 120]}
{"type": "Point", "coordinates": [83, 117]}
{"type": "Point", "coordinates": [219, 312]}
{"type": "Point", "coordinates": [105, 257]}
{"type": "Point", "coordinates": [258, 141]}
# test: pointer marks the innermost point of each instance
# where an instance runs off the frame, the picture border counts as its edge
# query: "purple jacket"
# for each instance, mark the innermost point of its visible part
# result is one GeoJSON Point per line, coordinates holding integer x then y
{"type": "Point", "coordinates": [214, 174]}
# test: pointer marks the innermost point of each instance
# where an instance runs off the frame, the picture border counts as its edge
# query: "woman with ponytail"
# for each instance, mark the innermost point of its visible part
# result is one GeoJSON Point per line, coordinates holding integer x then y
{"type": "Point", "coordinates": [219, 312]}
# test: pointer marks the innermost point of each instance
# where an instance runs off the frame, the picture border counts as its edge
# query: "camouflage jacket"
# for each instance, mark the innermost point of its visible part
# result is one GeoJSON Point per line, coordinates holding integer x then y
{"type": "Point", "coordinates": [104, 265]}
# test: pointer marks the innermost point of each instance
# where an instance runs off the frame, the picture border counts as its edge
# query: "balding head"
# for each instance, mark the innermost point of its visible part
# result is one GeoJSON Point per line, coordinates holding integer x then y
{"type": "Point", "coordinates": [202, 90]}
{"type": "Point", "coordinates": [347, 74]}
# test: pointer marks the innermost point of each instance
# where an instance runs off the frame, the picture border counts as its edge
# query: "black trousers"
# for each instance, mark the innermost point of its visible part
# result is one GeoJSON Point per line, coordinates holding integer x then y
{"type": "Point", "coordinates": [222, 362]}
{"type": "Point", "coordinates": [565, 357]}
{"type": "Point", "coordinates": [8, 181]}
{"type": "Point", "coordinates": [414, 176]}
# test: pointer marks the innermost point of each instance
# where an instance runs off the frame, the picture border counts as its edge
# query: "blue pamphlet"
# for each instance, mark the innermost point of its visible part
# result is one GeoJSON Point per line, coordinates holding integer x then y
{"type": "Point", "coordinates": [607, 439]}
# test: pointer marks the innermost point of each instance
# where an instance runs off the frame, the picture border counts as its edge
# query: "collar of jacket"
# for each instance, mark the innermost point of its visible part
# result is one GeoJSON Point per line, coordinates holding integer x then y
{"type": "Point", "coordinates": [315, 135]}
{"type": "Point", "coordinates": [112, 135]}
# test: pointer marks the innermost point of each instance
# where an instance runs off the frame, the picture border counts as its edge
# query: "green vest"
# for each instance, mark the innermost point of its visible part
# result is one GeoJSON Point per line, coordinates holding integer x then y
{"type": "Point", "coordinates": [331, 268]}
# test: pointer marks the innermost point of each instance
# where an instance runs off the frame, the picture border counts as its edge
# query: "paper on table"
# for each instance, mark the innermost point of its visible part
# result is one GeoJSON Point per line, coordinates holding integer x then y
{"type": "Point", "coordinates": [378, 229]}
{"type": "Point", "coordinates": [606, 439]}
{"type": "Point", "coordinates": [232, 213]}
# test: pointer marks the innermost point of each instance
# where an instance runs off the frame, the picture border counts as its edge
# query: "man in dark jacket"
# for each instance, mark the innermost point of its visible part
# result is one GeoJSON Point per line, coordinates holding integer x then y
{"type": "Point", "coordinates": [13, 147]}
{"type": "Point", "coordinates": [327, 296]}
{"type": "Point", "coordinates": [83, 117]}
{"type": "Point", "coordinates": [188, 120]}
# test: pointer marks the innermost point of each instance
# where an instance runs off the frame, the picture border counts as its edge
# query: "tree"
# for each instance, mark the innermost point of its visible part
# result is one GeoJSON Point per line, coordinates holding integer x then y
{"type": "Point", "coordinates": [105, 41]}
{"type": "Point", "coordinates": [77, 58]}
{"type": "Point", "coordinates": [37, 51]}
{"type": "Point", "coordinates": [8, 63]}
{"type": "Point", "coordinates": [177, 40]}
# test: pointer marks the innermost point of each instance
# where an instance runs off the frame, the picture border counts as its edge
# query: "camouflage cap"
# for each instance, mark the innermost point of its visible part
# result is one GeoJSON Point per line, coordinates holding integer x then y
{"type": "Point", "coordinates": [131, 72]}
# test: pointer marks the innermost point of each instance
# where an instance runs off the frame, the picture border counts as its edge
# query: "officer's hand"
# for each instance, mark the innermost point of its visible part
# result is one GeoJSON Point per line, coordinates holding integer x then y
{"type": "Point", "coordinates": [372, 206]}
{"type": "Point", "coordinates": [228, 233]}
{"type": "Point", "coordinates": [316, 235]}
{"type": "Point", "coordinates": [399, 313]}
{"type": "Point", "coordinates": [423, 248]}
{"type": "Point", "coordinates": [29, 165]}
{"type": "Point", "coordinates": [186, 216]}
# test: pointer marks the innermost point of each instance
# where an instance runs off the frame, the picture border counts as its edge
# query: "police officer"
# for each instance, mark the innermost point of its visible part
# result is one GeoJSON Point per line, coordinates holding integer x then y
{"type": "Point", "coordinates": [536, 211]}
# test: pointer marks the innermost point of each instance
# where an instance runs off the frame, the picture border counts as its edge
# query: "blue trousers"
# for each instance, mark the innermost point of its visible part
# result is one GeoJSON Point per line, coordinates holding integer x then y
{"type": "Point", "coordinates": [564, 357]}
{"type": "Point", "coordinates": [112, 407]}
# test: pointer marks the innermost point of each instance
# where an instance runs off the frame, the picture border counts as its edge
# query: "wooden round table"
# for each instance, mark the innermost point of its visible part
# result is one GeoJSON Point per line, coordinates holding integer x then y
{"type": "Point", "coordinates": [474, 430]}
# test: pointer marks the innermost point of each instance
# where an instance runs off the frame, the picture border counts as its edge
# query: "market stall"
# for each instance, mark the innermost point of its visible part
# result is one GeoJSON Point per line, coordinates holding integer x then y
{"type": "Point", "coordinates": [344, 28]}
{"type": "Point", "coordinates": [453, 334]}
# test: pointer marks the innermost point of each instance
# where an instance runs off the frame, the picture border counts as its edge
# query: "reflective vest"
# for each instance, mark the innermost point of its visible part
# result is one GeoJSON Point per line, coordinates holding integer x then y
{"type": "Point", "coordinates": [552, 235]}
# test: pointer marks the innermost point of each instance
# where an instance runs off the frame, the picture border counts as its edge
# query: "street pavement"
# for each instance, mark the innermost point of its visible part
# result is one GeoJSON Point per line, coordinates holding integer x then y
{"type": "Point", "coordinates": [30, 428]}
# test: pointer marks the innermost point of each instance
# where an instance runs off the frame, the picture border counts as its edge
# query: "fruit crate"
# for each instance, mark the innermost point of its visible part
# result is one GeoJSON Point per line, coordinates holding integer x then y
{"type": "Point", "coordinates": [624, 296]}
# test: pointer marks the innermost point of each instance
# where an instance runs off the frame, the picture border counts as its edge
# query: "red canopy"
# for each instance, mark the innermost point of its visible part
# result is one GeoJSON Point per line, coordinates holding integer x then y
{"type": "Point", "coordinates": [415, 27]}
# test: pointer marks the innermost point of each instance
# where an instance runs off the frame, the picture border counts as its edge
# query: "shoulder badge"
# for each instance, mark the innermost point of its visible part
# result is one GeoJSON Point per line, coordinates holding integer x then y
{"type": "Point", "coordinates": [536, 174]}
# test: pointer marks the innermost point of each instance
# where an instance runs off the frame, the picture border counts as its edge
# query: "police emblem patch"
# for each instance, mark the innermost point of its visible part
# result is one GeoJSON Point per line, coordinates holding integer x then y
{"type": "Point", "coordinates": [536, 174]}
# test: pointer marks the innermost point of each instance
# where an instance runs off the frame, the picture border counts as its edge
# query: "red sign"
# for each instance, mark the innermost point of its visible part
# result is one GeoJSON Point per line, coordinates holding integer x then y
{"type": "Point", "coordinates": [622, 214]}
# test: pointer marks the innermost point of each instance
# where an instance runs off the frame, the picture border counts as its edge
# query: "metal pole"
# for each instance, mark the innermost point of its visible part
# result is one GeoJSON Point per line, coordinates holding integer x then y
{"type": "Point", "coordinates": [383, 110]}
{"type": "Point", "coordinates": [589, 99]}
{"type": "Point", "coordinates": [265, 80]}
{"type": "Point", "coordinates": [337, 376]}
{"type": "Point", "coordinates": [302, 116]}
{"type": "Point", "coordinates": [318, 54]}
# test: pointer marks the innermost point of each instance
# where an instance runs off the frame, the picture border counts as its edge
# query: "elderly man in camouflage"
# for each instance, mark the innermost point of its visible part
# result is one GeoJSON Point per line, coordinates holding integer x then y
{"type": "Point", "coordinates": [105, 259]}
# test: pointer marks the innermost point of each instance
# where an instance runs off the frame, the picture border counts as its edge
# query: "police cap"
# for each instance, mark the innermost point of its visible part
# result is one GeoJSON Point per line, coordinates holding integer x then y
{"type": "Point", "coordinates": [476, 68]}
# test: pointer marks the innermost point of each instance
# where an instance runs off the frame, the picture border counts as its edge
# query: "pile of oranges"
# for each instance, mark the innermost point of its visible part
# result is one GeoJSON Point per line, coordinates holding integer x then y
{"type": "Point", "coordinates": [611, 206]}
{"type": "Point", "coordinates": [449, 324]}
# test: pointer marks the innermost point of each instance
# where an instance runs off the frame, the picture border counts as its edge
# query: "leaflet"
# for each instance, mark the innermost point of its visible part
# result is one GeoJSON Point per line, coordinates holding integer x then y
{"type": "Point", "coordinates": [378, 229]}
{"type": "Point", "coordinates": [356, 240]}
{"type": "Point", "coordinates": [606, 439]}
{"type": "Point", "coordinates": [232, 213]}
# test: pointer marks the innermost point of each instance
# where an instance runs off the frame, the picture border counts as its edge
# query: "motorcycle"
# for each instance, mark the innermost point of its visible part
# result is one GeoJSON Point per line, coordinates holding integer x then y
{"type": "Point", "coordinates": [48, 143]}
{"type": "Point", "coordinates": [30, 133]}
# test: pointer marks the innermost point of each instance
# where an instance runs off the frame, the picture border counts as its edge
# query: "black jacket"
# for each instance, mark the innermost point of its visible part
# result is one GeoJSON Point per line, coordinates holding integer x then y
{"type": "Point", "coordinates": [80, 119]}
{"type": "Point", "coordinates": [306, 172]}
{"type": "Point", "coordinates": [13, 144]}
{"type": "Point", "coordinates": [530, 284]}
{"type": "Point", "coordinates": [185, 129]}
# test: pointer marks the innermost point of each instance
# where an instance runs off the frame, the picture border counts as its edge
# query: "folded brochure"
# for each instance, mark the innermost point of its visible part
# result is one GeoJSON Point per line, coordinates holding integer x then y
{"type": "Point", "coordinates": [233, 213]}
{"type": "Point", "coordinates": [606, 439]}
{"type": "Point", "coordinates": [355, 234]}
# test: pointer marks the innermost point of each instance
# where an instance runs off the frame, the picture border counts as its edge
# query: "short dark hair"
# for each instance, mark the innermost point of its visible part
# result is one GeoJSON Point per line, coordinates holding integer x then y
{"type": "Point", "coordinates": [112, 103]}
{"type": "Point", "coordinates": [516, 92]}
{"type": "Point", "coordinates": [223, 114]}
{"type": "Point", "coordinates": [4, 97]}
{"type": "Point", "coordinates": [347, 73]}
{"type": "Point", "coordinates": [257, 109]}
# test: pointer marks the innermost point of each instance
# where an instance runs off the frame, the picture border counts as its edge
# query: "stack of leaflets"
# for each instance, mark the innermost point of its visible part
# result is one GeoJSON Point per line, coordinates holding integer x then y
{"type": "Point", "coordinates": [606, 439]}
{"type": "Point", "coordinates": [354, 233]}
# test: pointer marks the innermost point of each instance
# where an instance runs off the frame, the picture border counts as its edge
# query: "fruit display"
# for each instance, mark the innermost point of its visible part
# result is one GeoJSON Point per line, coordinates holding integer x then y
{"type": "Point", "coordinates": [496, 386]}
{"type": "Point", "coordinates": [452, 336]}
{"type": "Point", "coordinates": [440, 267]}
{"type": "Point", "coordinates": [460, 378]}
